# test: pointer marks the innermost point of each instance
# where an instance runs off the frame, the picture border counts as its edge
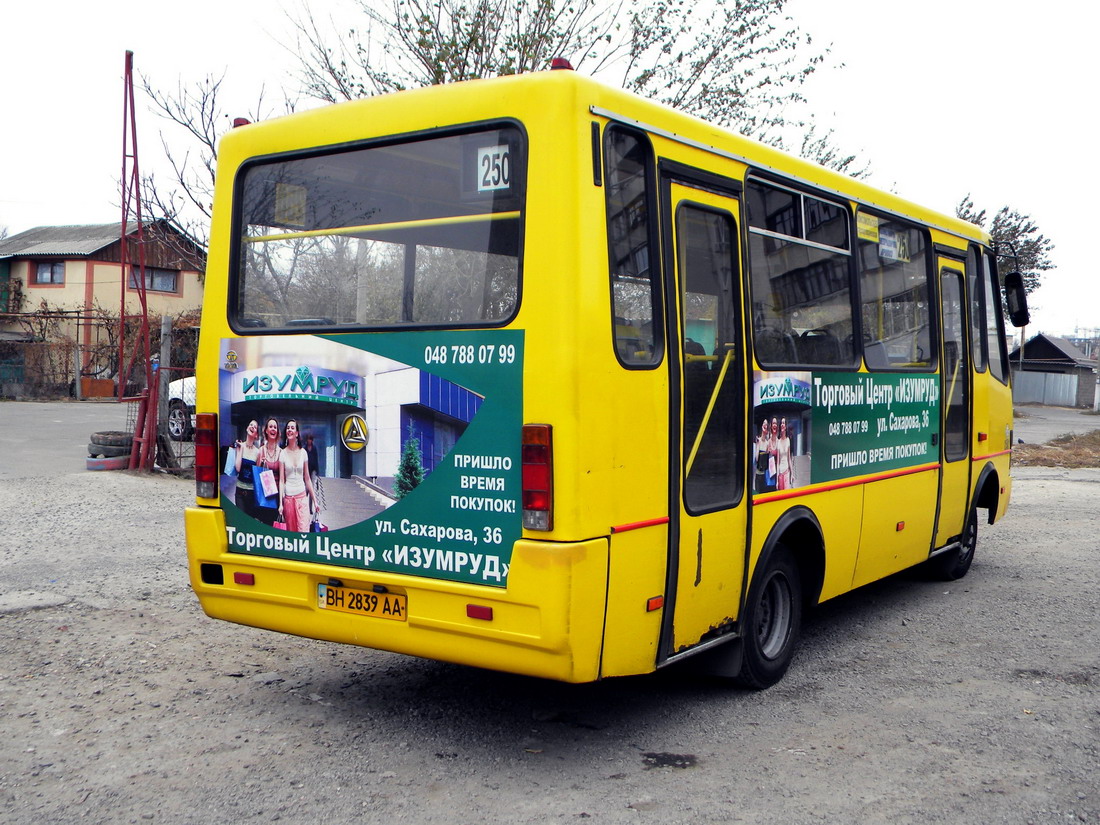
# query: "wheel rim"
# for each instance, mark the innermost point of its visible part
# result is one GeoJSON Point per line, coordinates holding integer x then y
{"type": "Point", "coordinates": [175, 423]}
{"type": "Point", "coordinates": [773, 627]}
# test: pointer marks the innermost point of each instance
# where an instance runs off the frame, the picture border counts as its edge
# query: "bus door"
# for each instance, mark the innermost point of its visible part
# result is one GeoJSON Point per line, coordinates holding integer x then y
{"type": "Point", "coordinates": [955, 406]}
{"type": "Point", "coordinates": [707, 463]}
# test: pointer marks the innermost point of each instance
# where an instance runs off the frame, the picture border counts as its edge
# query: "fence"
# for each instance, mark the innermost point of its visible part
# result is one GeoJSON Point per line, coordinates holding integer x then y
{"type": "Point", "coordinates": [176, 424]}
{"type": "Point", "coordinates": [1052, 389]}
{"type": "Point", "coordinates": [39, 369]}
{"type": "Point", "coordinates": [59, 353]}
{"type": "Point", "coordinates": [74, 355]}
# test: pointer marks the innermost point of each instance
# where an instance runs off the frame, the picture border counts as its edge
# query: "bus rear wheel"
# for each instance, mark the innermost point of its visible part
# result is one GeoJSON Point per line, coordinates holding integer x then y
{"type": "Point", "coordinates": [954, 564]}
{"type": "Point", "coordinates": [773, 619]}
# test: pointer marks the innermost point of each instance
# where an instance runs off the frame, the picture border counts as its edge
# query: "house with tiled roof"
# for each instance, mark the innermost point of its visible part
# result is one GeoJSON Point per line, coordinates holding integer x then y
{"type": "Point", "coordinates": [76, 267]}
{"type": "Point", "coordinates": [75, 277]}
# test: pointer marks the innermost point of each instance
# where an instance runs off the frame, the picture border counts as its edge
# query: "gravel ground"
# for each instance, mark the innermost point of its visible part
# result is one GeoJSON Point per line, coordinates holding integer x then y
{"type": "Point", "coordinates": [909, 701]}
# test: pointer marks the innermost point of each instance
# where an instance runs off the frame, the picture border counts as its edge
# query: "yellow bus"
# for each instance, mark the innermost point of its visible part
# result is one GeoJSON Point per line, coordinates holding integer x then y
{"type": "Point", "coordinates": [535, 375]}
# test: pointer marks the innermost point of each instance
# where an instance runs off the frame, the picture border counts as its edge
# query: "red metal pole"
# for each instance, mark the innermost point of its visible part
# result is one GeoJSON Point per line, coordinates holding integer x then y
{"type": "Point", "coordinates": [131, 204]}
{"type": "Point", "coordinates": [137, 448]}
{"type": "Point", "coordinates": [145, 431]}
{"type": "Point", "coordinates": [124, 255]}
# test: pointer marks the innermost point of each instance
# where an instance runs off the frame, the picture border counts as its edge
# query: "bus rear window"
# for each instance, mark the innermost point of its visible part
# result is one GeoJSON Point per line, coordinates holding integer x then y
{"type": "Point", "coordinates": [424, 233]}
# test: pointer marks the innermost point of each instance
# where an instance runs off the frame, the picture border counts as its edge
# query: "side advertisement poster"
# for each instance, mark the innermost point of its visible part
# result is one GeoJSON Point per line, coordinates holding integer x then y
{"type": "Point", "coordinates": [813, 428]}
{"type": "Point", "coordinates": [396, 452]}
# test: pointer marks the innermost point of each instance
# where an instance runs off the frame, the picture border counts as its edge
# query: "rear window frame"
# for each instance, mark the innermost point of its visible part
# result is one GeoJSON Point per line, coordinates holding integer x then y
{"type": "Point", "coordinates": [240, 324]}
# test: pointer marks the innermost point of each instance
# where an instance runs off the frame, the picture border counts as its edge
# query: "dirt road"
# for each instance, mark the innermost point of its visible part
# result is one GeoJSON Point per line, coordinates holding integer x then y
{"type": "Point", "coordinates": [909, 701]}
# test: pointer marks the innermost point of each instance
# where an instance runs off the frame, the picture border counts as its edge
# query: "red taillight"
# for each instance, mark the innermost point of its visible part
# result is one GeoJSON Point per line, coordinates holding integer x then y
{"type": "Point", "coordinates": [538, 477]}
{"type": "Point", "coordinates": [206, 455]}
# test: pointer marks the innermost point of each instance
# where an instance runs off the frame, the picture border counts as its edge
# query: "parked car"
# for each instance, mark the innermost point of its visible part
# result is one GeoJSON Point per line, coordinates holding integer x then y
{"type": "Point", "coordinates": [181, 408]}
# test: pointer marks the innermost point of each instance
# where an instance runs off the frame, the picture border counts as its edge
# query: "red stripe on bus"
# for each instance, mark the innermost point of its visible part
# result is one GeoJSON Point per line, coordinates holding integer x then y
{"type": "Point", "coordinates": [991, 455]}
{"type": "Point", "coordinates": [840, 485]}
{"type": "Point", "coordinates": [638, 525]}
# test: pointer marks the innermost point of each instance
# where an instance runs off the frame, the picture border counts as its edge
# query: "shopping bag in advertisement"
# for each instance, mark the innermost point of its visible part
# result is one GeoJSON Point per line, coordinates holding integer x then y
{"type": "Point", "coordinates": [267, 482]}
{"type": "Point", "coordinates": [263, 497]}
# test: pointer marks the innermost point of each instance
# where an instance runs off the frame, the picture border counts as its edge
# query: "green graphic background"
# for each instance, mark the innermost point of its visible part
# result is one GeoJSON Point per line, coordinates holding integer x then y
{"type": "Point", "coordinates": [873, 436]}
{"type": "Point", "coordinates": [494, 432]}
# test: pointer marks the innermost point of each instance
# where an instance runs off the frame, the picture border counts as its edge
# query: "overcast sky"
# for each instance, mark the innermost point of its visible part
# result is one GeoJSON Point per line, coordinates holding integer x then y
{"type": "Point", "coordinates": [942, 98]}
{"type": "Point", "coordinates": [992, 97]}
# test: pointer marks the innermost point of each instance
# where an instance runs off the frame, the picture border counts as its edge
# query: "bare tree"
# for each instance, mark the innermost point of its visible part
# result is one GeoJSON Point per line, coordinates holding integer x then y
{"type": "Point", "coordinates": [196, 110]}
{"type": "Point", "coordinates": [738, 63]}
{"type": "Point", "coordinates": [821, 148]}
{"type": "Point", "coordinates": [1021, 247]}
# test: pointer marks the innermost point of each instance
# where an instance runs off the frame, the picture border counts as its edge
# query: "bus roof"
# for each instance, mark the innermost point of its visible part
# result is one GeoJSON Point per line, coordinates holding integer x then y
{"type": "Point", "coordinates": [430, 107]}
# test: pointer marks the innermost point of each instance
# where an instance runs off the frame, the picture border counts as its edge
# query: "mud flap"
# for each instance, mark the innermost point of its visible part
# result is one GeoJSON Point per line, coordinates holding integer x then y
{"type": "Point", "coordinates": [723, 661]}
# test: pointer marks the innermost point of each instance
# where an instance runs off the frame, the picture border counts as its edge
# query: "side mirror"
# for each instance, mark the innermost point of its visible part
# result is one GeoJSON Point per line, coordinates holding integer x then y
{"type": "Point", "coordinates": [1016, 299]}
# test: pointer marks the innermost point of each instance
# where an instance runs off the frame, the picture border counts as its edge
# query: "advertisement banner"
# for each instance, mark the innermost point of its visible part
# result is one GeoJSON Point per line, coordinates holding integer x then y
{"type": "Point", "coordinates": [873, 423]}
{"type": "Point", "coordinates": [818, 427]}
{"type": "Point", "coordinates": [397, 451]}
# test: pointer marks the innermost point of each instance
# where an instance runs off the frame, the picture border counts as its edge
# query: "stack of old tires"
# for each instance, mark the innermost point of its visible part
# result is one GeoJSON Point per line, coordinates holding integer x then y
{"type": "Point", "coordinates": [109, 450]}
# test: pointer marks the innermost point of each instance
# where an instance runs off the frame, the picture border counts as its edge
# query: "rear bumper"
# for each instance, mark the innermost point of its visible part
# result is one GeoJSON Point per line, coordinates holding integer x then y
{"type": "Point", "coordinates": [548, 622]}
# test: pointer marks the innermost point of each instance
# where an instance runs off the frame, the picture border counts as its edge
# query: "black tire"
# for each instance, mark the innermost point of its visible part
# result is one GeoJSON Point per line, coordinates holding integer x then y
{"type": "Point", "coordinates": [112, 438]}
{"type": "Point", "coordinates": [773, 620]}
{"type": "Point", "coordinates": [179, 421]}
{"type": "Point", "coordinates": [107, 450]}
{"type": "Point", "coordinates": [954, 564]}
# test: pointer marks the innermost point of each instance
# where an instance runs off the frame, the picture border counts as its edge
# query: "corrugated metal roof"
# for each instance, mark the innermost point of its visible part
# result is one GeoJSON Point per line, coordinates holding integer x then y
{"type": "Point", "coordinates": [60, 241]}
{"type": "Point", "coordinates": [1068, 347]}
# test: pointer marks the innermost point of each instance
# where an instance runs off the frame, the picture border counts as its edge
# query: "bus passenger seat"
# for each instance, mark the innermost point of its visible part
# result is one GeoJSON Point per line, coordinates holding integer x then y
{"type": "Point", "coordinates": [875, 355]}
{"type": "Point", "coordinates": [774, 347]}
{"type": "Point", "coordinates": [818, 346]}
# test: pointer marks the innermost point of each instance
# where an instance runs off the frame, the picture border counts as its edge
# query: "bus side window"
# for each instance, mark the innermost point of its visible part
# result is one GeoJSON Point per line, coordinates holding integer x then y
{"type": "Point", "coordinates": [875, 355]}
{"type": "Point", "coordinates": [712, 395]}
{"type": "Point", "coordinates": [630, 246]}
{"type": "Point", "coordinates": [996, 349]}
{"type": "Point", "coordinates": [896, 293]}
{"type": "Point", "coordinates": [801, 271]}
{"type": "Point", "coordinates": [774, 346]}
{"type": "Point", "coordinates": [977, 310]}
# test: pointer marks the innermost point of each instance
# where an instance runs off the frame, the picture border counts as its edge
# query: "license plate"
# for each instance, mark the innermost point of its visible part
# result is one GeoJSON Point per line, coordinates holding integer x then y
{"type": "Point", "coordinates": [362, 602]}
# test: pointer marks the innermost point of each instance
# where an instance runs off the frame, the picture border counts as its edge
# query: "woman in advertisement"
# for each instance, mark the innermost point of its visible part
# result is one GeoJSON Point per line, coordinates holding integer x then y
{"type": "Point", "coordinates": [773, 457]}
{"type": "Point", "coordinates": [761, 445]}
{"type": "Point", "coordinates": [785, 477]}
{"type": "Point", "coordinates": [247, 453]}
{"type": "Point", "coordinates": [269, 460]}
{"type": "Point", "coordinates": [296, 497]}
